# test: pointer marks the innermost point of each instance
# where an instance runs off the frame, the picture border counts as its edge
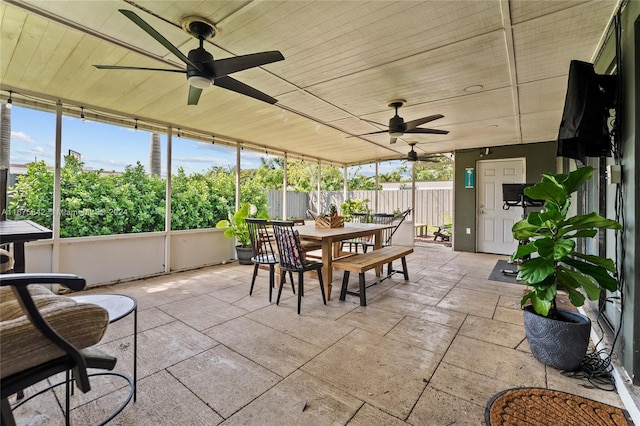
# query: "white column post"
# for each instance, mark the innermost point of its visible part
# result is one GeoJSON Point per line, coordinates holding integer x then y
{"type": "Point", "coordinates": [413, 191]}
{"type": "Point", "coordinates": [55, 253]}
{"type": "Point", "coordinates": [319, 178]}
{"type": "Point", "coordinates": [167, 204]}
{"type": "Point", "coordinates": [284, 187]}
{"type": "Point", "coordinates": [375, 194]}
{"type": "Point", "coordinates": [345, 183]}
{"type": "Point", "coordinates": [238, 150]}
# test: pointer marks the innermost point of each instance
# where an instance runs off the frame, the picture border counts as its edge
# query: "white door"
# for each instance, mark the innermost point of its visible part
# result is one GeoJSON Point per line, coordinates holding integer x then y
{"type": "Point", "coordinates": [493, 222]}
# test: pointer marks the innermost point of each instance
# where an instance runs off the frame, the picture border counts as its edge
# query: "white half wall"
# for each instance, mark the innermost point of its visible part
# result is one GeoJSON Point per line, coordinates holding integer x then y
{"type": "Point", "coordinates": [195, 248]}
{"type": "Point", "coordinates": [113, 258]}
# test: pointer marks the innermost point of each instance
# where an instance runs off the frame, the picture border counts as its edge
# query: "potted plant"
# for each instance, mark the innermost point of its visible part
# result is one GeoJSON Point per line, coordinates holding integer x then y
{"type": "Point", "coordinates": [559, 337]}
{"type": "Point", "coordinates": [349, 207]}
{"type": "Point", "coordinates": [237, 228]}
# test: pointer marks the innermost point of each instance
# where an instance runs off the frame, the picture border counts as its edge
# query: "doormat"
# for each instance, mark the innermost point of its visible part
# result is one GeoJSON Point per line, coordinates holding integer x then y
{"type": "Point", "coordinates": [497, 275]}
{"type": "Point", "coordinates": [547, 407]}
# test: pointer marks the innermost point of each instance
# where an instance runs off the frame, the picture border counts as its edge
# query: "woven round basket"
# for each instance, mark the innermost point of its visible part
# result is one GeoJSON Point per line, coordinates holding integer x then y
{"type": "Point", "coordinates": [546, 407]}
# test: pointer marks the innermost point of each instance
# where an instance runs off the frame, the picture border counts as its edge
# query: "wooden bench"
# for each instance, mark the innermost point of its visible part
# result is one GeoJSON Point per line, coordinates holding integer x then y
{"type": "Point", "coordinates": [361, 263]}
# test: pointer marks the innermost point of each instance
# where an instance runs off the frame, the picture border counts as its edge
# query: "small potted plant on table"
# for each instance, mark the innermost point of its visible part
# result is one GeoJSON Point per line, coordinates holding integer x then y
{"type": "Point", "coordinates": [559, 337]}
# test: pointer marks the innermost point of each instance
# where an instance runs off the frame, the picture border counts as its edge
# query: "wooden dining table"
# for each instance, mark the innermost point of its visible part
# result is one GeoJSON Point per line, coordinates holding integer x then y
{"type": "Point", "coordinates": [330, 239]}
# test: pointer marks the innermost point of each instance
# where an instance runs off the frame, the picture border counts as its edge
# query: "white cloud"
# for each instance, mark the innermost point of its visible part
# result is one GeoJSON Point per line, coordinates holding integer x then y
{"type": "Point", "coordinates": [22, 137]}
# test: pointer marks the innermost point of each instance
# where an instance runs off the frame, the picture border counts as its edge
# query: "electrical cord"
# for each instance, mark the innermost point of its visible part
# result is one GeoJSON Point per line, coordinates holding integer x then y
{"type": "Point", "coordinates": [596, 366]}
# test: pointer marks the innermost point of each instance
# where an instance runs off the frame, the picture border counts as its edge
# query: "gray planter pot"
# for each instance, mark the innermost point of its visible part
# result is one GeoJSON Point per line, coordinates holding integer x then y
{"type": "Point", "coordinates": [559, 343]}
{"type": "Point", "coordinates": [244, 255]}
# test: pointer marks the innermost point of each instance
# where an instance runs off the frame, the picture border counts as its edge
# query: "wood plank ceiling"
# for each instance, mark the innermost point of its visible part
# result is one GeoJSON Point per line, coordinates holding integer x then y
{"type": "Point", "coordinates": [496, 69]}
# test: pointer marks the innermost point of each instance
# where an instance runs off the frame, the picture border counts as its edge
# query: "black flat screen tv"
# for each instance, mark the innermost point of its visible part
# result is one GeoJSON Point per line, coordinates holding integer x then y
{"type": "Point", "coordinates": [583, 130]}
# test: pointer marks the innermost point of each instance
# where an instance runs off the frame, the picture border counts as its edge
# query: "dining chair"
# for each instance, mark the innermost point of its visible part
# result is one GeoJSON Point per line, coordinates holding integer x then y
{"type": "Point", "coordinates": [357, 241]}
{"type": "Point", "coordinates": [387, 234]}
{"type": "Point", "coordinates": [306, 244]}
{"type": "Point", "coordinates": [292, 258]}
{"type": "Point", "coordinates": [263, 252]}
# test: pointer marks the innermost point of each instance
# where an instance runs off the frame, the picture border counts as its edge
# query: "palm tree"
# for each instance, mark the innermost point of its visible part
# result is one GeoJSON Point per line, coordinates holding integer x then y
{"type": "Point", "coordinates": [5, 149]}
{"type": "Point", "coordinates": [154, 155]}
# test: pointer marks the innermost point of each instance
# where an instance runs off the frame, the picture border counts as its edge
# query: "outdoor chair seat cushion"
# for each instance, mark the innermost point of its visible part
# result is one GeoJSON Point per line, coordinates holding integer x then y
{"type": "Point", "coordinates": [23, 346]}
{"type": "Point", "coordinates": [310, 245]}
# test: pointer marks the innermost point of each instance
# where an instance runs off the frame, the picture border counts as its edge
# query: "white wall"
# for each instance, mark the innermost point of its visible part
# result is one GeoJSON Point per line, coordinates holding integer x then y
{"type": "Point", "coordinates": [113, 258]}
{"type": "Point", "coordinates": [195, 248]}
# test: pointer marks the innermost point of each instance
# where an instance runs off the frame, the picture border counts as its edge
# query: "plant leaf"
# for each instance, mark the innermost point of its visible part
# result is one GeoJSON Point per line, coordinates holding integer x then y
{"type": "Point", "coordinates": [526, 297]}
{"type": "Point", "coordinates": [576, 178]}
{"type": "Point", "coordinates": [571, 279]}
{"type": "Point", "coordinates": [222, 224]}
{"type": "Point", "coordinates": [523, 230]}
{"type": "Point", "coordinates": [547, 190]}
{"type": "Point", "coordinates": [536, 270]}
{"type": "Point", "coordinates": [575, 297]}
{"type": "Point", "coordinates": [598, 273]}
{"type": "Point", "coordinates": [536, 218]}
{"type": "Point", "coordinates": [591, 220]}
{"type": "Point", "coordinates": [608, 264]}
{"type": "Point", "coordinates": [541, 306]}
{"type": "Point", "coordinates": [583, 233]}
{"type": "Point", "coordinates": [555, 250]}
{"type": "Point", "coordinates": [523, 250]}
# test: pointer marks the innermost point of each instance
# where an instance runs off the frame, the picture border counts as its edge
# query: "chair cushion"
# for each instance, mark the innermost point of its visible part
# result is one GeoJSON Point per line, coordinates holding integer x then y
{"type": "Point", "coordinates": [23, 346]}
{"type": "Point", "coordinates": [309, 245]}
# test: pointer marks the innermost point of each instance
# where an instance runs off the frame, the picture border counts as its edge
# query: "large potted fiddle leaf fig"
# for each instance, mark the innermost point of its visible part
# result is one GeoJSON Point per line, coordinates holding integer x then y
{"type": "Point", "coordinates": [549, 263]}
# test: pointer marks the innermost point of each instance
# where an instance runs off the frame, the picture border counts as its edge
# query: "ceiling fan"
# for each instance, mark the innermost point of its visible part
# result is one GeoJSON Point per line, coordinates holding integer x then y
{"type": "Point", "coordinates": [202, 70]}
{"type": "Point", "coordinates": [413, 156]}
{"type": "Point", "coordinates": [398, 127]}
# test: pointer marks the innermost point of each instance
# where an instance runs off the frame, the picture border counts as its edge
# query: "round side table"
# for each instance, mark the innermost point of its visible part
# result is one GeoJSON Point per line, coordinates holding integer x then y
{"type": "Point", "coordinates": [118, 306]}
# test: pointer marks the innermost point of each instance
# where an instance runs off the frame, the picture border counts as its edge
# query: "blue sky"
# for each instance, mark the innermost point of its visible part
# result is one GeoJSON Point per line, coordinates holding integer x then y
{"type": "Point", "coordinates": [110, 147]}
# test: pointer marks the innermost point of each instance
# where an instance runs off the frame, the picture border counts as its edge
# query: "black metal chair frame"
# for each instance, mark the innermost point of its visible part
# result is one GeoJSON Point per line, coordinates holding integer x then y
{"type": "Point", "coordinates": [263, 252]}
{"type": "Point", "coordinates": [291, 258]}
{"type": "Point", "coordinates": [75, 360]}
{"type": "Point", "coordinates": [387, 234]}
{"type": "Point", "coordinates": [358, 241]}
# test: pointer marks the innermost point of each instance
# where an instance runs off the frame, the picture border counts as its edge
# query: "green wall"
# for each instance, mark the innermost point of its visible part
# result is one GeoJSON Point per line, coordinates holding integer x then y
{"type": "Point", "coordinates": [540, 158]}
{"type": "Point", "coordinates": [628, 346]}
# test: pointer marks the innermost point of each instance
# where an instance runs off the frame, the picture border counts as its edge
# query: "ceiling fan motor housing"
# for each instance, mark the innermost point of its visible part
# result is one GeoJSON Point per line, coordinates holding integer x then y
{"type": "Point", "coordinates": [396, 126]}
{"type": "Point", "coordinates": [199, 56]}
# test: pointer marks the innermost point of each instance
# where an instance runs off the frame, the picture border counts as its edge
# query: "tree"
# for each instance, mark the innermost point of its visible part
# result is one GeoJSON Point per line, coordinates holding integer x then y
{"type": "Point", "coordinates": [5, 136]}
{"type": "Point", "coordinates": [441, 169]}
{"type": "Point", "coordinates": [5, 162]}
{"type": "Point", "coordinates": [33, 195]}
{"type": "Point", "coordinates": [154, 155]}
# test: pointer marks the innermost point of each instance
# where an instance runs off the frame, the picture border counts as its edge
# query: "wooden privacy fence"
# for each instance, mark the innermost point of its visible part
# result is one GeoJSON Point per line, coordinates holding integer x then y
{"type": "Point", "coordinates": [433, 206]}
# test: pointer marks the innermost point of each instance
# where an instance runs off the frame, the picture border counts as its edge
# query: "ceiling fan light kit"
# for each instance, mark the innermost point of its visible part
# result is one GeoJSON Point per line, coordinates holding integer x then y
{"type": "Point", "coordinates": [201, 69]}
{"type": "Point", "coordinates": [199, 82]}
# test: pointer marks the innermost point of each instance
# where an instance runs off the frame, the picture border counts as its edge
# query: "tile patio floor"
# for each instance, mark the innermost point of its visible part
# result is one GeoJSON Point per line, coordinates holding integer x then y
{"type": "Point", "coordinates": [430, 351]}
